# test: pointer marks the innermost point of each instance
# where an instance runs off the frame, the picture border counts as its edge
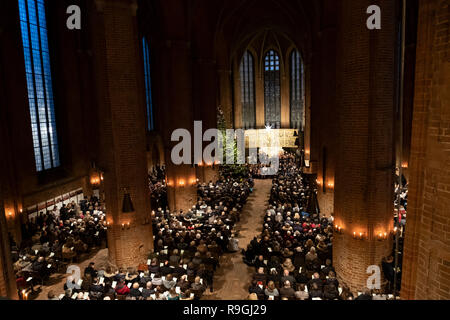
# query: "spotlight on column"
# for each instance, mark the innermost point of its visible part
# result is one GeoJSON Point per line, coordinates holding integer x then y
{"type": "Point", "coordinates": [127, 204]}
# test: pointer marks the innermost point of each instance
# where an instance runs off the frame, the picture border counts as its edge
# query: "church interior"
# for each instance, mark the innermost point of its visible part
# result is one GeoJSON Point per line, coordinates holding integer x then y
{"type": "Point", "coordinates": [347, 97]}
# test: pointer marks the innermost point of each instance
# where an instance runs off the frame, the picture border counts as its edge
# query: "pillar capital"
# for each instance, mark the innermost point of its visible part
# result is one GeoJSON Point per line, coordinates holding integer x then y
{"type": "Point", "coordinates": [123, 4]}
{"type": "Point", "coordinates": [177, 44]}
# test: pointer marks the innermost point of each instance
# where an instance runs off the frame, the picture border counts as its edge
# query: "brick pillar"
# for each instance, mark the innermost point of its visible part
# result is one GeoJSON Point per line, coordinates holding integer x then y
{"type": "Point", "coordinates": [7, 277]}
{"type": "Point", "coordinates": [181, 186]}
{"type": "Point", "coordinates": [122, 130]}
{"type": "Point", "coordinates": [426, 261]}
{"type": "Point", "coordinates": [205, 104]}
{"type": "Point", "coordinates": [209, 174]}
{"type": "Point", "coordinates": [365, 161]}
{"type": "Point", "coordinates": [225, 96]}
{"type": "Point", "coordinates": [177, 112]}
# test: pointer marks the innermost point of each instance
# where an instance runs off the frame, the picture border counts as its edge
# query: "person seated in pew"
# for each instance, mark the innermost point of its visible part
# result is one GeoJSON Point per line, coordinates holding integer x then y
{"type": "Point", "coordinates": [135, 292]}
{"type": "Point", "coordinates": [148, 290]}
{"type": "Point", "coordinates": [121, 288]}
{"type": "Point", "coordinates": [301, 293]}
{"type": "Point", "coordinates": [271, 291]}
{"type": "Point", "coordinates": [287, 291]}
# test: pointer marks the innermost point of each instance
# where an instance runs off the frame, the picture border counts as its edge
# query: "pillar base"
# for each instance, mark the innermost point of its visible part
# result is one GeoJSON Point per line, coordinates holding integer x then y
{"type": "Point", "coordinates": [129, 246]}
{"type": "Point", "coordinates": [352, 257]}
{"type": "Point", "coordinates": [182, 198]}
{"type": "Point", "coordinates": [326, 202]}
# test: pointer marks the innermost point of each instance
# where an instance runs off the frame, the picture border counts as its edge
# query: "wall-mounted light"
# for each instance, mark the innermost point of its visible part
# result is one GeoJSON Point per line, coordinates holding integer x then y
{"type": "Point", "coordinates": [307, 163]}
{"type": "Point", "coordinates": [330, 185]}
{"type": "Point", "coordinates": [381, 235]}
{"type": "Point", "coordinates": [95, 180]}
{"type": "Point", "coordinates": [338, 229]}
{"type": "Point", "coordinates": [125, 225]}
{"type": "Point", "coordinates": [181, 183]}
{"type": "Point", "coordinates": [405, 165]}
{"type": "Point", "coordinates": [359, 235]}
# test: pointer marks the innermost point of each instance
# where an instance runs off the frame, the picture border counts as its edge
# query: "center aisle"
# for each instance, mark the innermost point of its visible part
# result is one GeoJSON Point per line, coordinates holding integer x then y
{"type": "Point", "coordinates": [232, 278]}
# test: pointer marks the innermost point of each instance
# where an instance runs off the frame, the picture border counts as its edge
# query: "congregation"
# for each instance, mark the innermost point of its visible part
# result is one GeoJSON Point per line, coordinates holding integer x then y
{"type": "Point", "coordinates": [292, 256]}
{"type": "Point", "coordinates": [187, 248]}
{"type": "Point", "coordinates": [56, 238]}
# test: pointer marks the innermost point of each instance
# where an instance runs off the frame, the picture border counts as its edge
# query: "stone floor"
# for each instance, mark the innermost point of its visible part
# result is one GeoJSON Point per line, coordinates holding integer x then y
{"type": "Point", "coordinates": [232, 278]}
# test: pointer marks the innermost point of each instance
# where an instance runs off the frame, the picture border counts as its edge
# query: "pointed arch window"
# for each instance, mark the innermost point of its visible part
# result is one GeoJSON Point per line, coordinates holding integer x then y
{"type": "Point", "coordinates": [272, 90]}
{"type": "Point", "coordinates": [148, 85]}
{"type": "Point", "coordinates": [247, 75]}
{"type": "Point", "coordinates": [297, 92]}
{"type": "Point", "coordinates": [33, 28]}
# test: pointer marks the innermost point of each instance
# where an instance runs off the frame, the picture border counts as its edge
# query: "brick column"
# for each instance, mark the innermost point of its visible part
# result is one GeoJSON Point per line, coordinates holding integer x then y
{"type": "Point", "coordinates": [122, 130]}
{"type": "Point", "coordinates": [7, 277]}
{"type": "Point", "coordinates": [205, 105]}
{"type": "Point", "coordinates": [365, 161]}
{"type": "Point", "coordinates": [426, 261]}
{"type": "Point", "coordinates": [225, 96]}
{"type": "Point", "coordinates": [177, 112]}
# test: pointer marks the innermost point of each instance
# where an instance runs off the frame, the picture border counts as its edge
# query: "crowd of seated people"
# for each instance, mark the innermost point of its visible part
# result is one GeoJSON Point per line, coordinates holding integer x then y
{"type": "Point", "coordinates": [292, 256]}
{"type": "Point", "coordinates": [53, 239]}
{"type": "Point", "coordinates": [187, 248]}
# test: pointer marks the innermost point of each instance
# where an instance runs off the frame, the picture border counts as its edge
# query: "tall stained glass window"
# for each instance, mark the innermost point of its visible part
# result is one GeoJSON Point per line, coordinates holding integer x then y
{"type": "Point", "coordinates": [148, 84]}
{"type": "Point", "coordinates": [272, 90]}
{"type": "Point", "coordinates": [39, 83]}
{"type": "Point", "coordinates": [248, 91]}
{"type": "Point", "coordinates": [297, 90]}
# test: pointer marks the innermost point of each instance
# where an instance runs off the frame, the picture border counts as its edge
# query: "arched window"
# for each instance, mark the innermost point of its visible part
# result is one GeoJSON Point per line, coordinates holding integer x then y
{"type": "Point", "coordinates": [148, 85]}
{"type": "Point", "coordinates": [39, 83]}
{"type": "Point", "coordinates": [297, 90]}
{"type": "Point", "coordinates": [272, 90]}
{"type": "Point", "coordinates": [248, 91]}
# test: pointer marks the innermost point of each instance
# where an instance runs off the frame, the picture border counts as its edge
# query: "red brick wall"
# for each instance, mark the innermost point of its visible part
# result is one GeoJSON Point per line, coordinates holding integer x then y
{"type": "Point", "coordinates": [427, 240]}
{"type": "Point", "coordinates": [365, 161]}
{"type": "Point", "coordinates": [122, 130]}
